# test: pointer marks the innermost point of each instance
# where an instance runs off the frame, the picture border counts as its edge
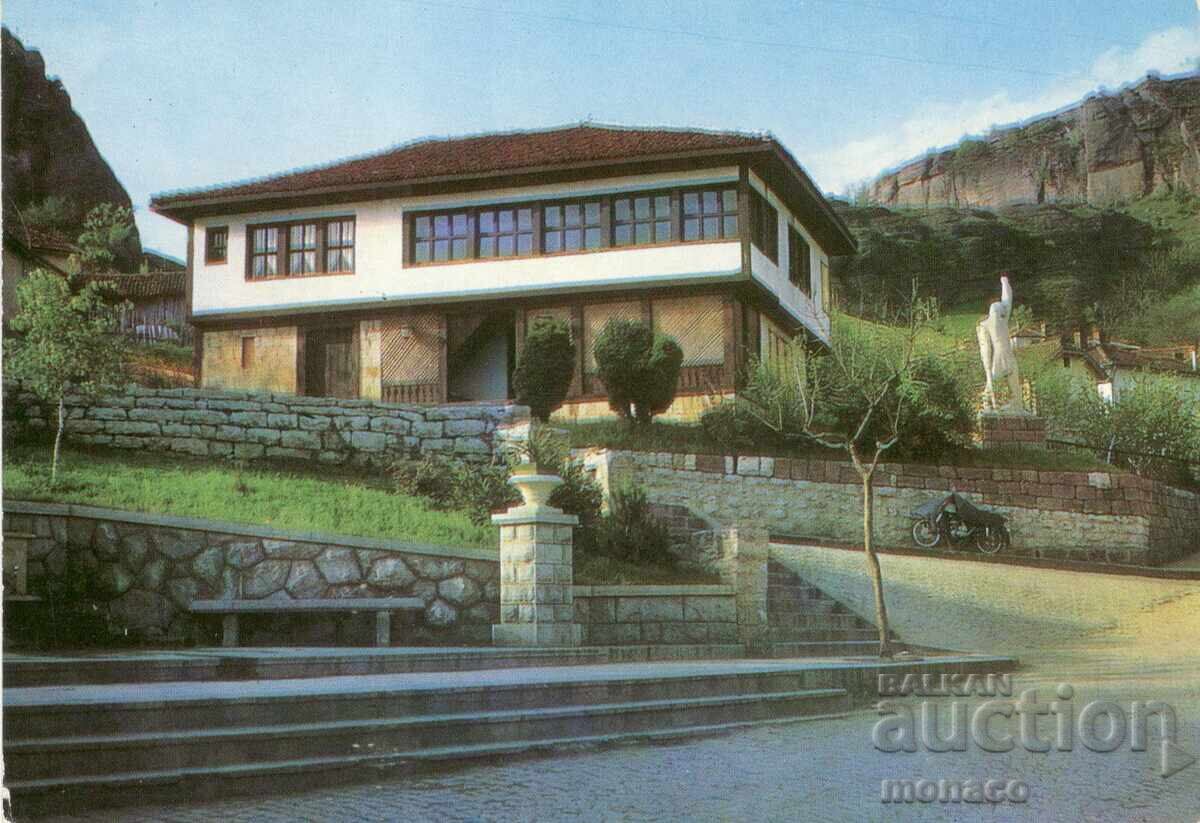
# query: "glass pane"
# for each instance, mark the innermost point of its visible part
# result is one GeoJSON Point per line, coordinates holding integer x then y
{"type": "Point", "coordinates": [347, 260]}
{"type": "Point", "coordinates": [662, 231]}
{"type": "Point", "coordinates": [296, 262]}
{"type": "Point", "coordinates": [574, 239]}
{"type": "Point", "coordinates": [711, 205]}
{"type": "Point", "coordinates": [460, 248]}
{"type": "Point", "coordinates": [552, 242]}
{"type": "Point", "coordinates": [623, 235]}
{"type": "Point", "coordinates": [591, 213]}
{"type": "Point", "coordinates": [552, 217]}
{"type": "Point", "coordinates": [441, 249]}
{"type": "Point", "coordinates": [507, 245]}
{"type": "Point", "coordinates": [310, 261]}
{"type": "Point", "coordinates": [591, 239]}
{"type": "Point", "coordinates": [641, 207]}
{"type": "Point", "coordinates": [310, 236]}
{"type": "Point", "coordinates": [421, 252]}
{"type": "Point", "coordinates": [423, 227]}
{"type": "Point", "coordinates": [662, 206]}
{"type": "Point", "coordinates": [729, 199]}
{"type": "Point", "coordinates": [691, 228]}
{"type": "Point", "coordinates": [712, 225]}
{"type": "Point", "coordinates": [272, 239]}
{"type": "Point", "coordinates": [524, 244]}
{"type": "Point", "coordinates": [348, 232]}
{"type": "Point", "coordinates": [272, 264]}
{"type": "Point", "coordinates": [621, 210]}
{"type": "Point", "coordinates": [506, 221]}
{"type": "Point", "coordinates": [460, 225]}
{"type": "Point", "coordinates": [441, 225]}
{"type": "Point", "coordinates": [691, 203]}
{"type": "Point", "coordinates": [333, 234]}
{"type": "Point", "coordinates": [487, 246]}
{"type": "Point", "coordinates": [260, 240]}
{"type": "Point", "coordinates": [574, 214]}
{"type": "Point", "coordinates": [731, 227]}
{"type": "Point", "coordinates": [333, 260]}
{"type": "Point", "coordinates": [525, 219]}
{"type": "Point", "coordinates": [642, 234]}
{"type": "Point", "coordinates": [487, 222]}
{"type": "Point", "coordinates": [259, 266]}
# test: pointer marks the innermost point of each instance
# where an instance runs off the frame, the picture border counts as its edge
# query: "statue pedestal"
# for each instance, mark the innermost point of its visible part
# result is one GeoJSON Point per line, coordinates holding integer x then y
{"type": "Point", "coordinates": [1000, 429]}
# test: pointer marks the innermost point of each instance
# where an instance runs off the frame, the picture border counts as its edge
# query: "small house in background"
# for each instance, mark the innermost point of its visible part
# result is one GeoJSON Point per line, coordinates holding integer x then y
{"type": "Point", "coordinates": [411, 275]}
{"type": "Point", "coordinates": [1114, 365]}
{"type": "Point", "coordinates": [1030, 335]}
{"type": "Point", "coordinates": [156, 304]}
{"type": "Point", "coordinates": [28, 247]}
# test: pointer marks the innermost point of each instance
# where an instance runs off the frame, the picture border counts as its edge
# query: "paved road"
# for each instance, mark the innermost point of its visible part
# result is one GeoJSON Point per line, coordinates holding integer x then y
{"type": "Point", "coordinates": [1141, 646]}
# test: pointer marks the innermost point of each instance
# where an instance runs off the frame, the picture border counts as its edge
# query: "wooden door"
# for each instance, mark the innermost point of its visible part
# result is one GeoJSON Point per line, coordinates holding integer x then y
{"type": "Point", "coordinates": [331, 369]}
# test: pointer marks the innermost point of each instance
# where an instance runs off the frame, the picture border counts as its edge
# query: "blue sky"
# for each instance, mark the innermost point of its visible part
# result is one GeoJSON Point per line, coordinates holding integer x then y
{"type": "Point", "coordinates": [179, 93]}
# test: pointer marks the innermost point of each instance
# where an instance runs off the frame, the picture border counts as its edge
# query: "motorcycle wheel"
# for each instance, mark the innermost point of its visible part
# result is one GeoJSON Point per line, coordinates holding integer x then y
{"type": "Point", "coordinates": [925, 534]}
{"type": "Point", "coordinates": [990, 541]}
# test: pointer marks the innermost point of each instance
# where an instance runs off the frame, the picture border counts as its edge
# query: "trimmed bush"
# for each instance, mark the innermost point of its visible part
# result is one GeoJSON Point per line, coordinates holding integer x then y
{"type": "Point", "coordinates": [630, 532]}
{"type": "Point", "coordinates": [639, 368]}
{"type": "Point", "coordinates": [545, 366]}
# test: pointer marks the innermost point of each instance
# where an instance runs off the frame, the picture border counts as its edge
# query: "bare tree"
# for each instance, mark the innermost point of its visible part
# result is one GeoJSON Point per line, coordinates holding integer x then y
{"type": "Point", "coordinates": [855, 397]}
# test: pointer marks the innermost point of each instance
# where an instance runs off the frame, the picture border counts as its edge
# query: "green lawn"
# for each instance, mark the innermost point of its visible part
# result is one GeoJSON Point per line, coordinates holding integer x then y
{"type": "Point", "coordinates": [320, 499]}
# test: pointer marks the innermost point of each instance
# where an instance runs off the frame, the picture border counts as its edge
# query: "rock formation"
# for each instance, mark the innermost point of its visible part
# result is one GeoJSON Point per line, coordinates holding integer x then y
{"type": "Point", "coordinates": [48, 151]}
{"type": "Point", "coordinates": [1106, 149]}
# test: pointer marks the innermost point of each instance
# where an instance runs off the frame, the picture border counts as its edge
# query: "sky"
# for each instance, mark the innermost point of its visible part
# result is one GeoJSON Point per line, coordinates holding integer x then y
{"type": "Point", "coordinates": [187, 93]}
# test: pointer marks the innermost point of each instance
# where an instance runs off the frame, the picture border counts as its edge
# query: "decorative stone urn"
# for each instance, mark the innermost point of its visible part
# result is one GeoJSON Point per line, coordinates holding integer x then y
{"type": "Point", "coordinates": [535, 487]}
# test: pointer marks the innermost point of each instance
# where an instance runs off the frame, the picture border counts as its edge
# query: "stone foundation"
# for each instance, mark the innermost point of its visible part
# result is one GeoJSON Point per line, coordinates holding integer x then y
{"type": "Point", "coordinates": [1010, 430]}
{"type": "Point", "coordinates": [656, 615]}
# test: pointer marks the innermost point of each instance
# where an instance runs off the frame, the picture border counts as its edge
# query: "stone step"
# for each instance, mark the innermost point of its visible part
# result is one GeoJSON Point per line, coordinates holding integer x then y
{"type": "Point", "coordinates": [90, 756]}
{"type": "Point", "coordinates": [818, 621]}
{"type": "Point", "coordinates": [839, 648]}
{"type": "Point", "coordinates": [796, 635]}
{"type": "Point", "coordinates": [218, 664]}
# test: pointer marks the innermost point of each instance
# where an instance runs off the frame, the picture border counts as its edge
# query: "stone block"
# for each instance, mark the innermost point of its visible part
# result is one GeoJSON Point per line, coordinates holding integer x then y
{"type": "Point", "coordinates": [304, 580]}
{"type": "Point", "coordinates": [289, 454]}
{"type": "Point", "coordinates": [339, 565]}
{"type": "Point", "coordinates": [368, 441]}
{"type": "Point", "coordinates": [290, 549]}
{"type": "Point", "coordinates": [205, 416]}
{"type": "Point", "coordinates": [106, 414]}
{"type": "Point", "coordinates": [242, 554]}
{"type": "Point", "coordinates": [440, 613]}
{"type": "Point", "coordinates": [390, 572]}
{"type": "Point", "coordinates": [248, 451]}
{"type": "Point", "coordinates": [314, 423]}
{"type": "Point", "coordinates": [132, 427]}
{"type": "Point", "coordinates": [266, 578]}
{"type": "Point", "coordinates": [250, 419]}
{"type": "Point", "coordinates": [459, 590]}
{"type": "Point", "coordinates": [180, 544]}
{"type": "Point", "coordinates": [391, 425]}
{"type": "Point", "coordinates": [300, 439]}
{"type": "Point", "coordinates": [471, 445]}
{"type": "Point", "coordinates": [463, 428]}
{"type": "Point", "coordinates": [264, 437]}
{"type": "Point", "coordinates": [425, 429]}
{"type": "Point", "coordinates": [644, 609]}
{"type": "Point", "coordinates": [709, 609]}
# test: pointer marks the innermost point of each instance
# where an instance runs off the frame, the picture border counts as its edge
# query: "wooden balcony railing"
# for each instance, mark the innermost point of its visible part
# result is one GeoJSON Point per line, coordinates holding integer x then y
{"type": "Point", "coordinates": [410, 393]}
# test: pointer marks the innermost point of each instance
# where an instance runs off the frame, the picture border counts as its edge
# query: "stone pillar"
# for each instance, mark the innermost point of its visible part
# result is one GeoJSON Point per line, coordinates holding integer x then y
{"type": "Point", "coordinates": [745, 552]}
{"type": "Point", "coordinates": [536, 575]}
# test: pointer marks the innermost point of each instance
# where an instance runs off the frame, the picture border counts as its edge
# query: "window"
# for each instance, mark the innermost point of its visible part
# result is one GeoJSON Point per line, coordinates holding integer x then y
{"type": "Point", "coordinates": [301, 248]}
{"type": "Point", "coordinates": [505, 232]}
{"type": "Point", "coordinates": [764, 226]}
{"type": "Point", "coordinates": [571, 227]}
{"type": "Point", "coordinates": [826, 288]}
{"type": "Point", "coordinates": [247, 352]}
{"type": "Point", "coordinates": [799, 261]}
{"type": "Point", "coordinates": [216, 243]}
{"type": "Point", "coordinates": [642, 220]}
{"type": "Point", "coordinates": [264, 252]}
{"type": "Point", "coordinates": [710, 214]}
{"type": "Point", "coordinates": [339, 245]}
{"type": "Point", "coordinates": [441, 237]}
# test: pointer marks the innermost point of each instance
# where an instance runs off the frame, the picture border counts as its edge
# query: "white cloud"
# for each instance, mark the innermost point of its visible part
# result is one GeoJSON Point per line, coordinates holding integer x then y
{"type": "Point", "coordinates": [939, 124]}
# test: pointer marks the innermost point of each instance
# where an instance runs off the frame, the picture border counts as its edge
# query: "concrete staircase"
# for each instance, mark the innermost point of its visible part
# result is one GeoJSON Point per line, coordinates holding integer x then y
{"type": "Point", "coordinates": [805, 621]}
{"type": "Point", "coordinates": [73, 746]}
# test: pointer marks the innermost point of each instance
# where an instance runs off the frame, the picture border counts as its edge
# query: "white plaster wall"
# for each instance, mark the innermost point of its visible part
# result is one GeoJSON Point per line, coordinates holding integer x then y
{"type": "Point", "coordinates": [775, 275]}
{"type": "Point", "coordinates": [380, 274]}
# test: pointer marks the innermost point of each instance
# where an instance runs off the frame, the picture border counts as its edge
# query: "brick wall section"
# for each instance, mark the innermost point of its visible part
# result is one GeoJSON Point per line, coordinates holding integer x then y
{"type": "Point", "coordinates": [1011, 430]}
{"type": "Point", "coordinates": [1067, 515]}
{"type": "Point", "coordinates": [656, 615]}
{"type": "Point", "coordinates": [153, 567]}
{"type": "Point", "coordinates": [253, 426]}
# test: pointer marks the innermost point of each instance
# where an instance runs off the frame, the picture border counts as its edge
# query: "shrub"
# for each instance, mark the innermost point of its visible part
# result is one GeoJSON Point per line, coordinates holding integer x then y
{"type": "Point", "coordinates": [475, 489]}
{"type": "Point", "coordinates": [545, 367]}
{"type": "Point", "coordinates": [733, 429]}
{"type": "Point", "coordinates": [630, 532]}
{"type": "Point", "coordinates": [581, 496]}
{"type": "Point", "coordinates": [639, 369]}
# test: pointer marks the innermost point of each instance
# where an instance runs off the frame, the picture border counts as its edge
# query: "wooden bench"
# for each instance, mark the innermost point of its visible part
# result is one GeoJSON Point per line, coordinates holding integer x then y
{"type": "Point", "coordinates": [382, 606]}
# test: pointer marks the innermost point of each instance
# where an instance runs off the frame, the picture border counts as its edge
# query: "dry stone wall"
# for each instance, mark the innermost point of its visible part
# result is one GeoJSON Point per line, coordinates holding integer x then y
{"type": "Point", "coordinates": [254, 426]}
{"type": "Point", "coordinates": [1112, 516]}
{"type": "Point", "coordinates": [151, 567]}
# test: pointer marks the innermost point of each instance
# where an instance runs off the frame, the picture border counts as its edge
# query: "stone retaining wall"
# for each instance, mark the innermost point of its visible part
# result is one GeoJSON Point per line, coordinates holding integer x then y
{"type": "Point", "coordinates": [252, 426]}
{"type": "Point", "coordinates": [1067, 515]}
{"type": "Point", "coordinates": [656, 615]}
{"type": "Point", "coordinates": [150, 568]}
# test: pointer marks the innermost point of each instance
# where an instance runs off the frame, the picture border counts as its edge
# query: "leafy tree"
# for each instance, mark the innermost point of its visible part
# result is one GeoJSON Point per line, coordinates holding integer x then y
{"type": "Point", "coordinates": [545, 366]}
{"type": "Point", "coordinates": [68, 343]}
{"type": "Point", "coordinates": [639, 368]}
{"type": "Point", "coordinates": [859, 397]}
{"type": "Point", "coordinates": [106, 230]}
{"type": "Point", "coordinates": [55, 211]}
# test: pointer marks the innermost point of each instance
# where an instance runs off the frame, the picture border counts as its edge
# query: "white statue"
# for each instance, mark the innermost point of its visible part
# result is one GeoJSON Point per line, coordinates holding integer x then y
{"type": "Point", "coordinates": [995, 347]}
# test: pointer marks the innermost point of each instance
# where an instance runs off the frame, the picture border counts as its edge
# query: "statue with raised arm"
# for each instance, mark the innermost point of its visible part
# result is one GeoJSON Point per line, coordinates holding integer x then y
{"type": "Point", "coordinates": [995, 347]}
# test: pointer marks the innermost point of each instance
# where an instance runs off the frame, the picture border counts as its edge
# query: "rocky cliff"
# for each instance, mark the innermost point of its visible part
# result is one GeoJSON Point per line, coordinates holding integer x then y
{"type": "Point", "coordinates": [1109, 148]}
{"type": "Point", "coordinates": [48, 151]}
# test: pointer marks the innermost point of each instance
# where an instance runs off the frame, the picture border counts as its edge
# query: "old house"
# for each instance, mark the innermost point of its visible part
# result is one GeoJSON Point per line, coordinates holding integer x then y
{"type": "Point", "coordinates": [411, 275]}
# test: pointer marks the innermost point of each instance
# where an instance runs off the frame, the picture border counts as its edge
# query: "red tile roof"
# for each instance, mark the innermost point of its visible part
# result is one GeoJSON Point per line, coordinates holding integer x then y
{"type": "Point", "coordinates": [145, 285]}
{"type": "Point", "coordinates": [38, 238]}
{"type": "Point", "coordinates": [483, 154]}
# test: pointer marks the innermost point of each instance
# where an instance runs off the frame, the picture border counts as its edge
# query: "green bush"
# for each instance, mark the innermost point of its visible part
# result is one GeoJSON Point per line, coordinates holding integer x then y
{"type": "Point", "coordinates": [545, 367]}
{"type": "Point", "coordinates": [580, 495]}
{"type": "Point", "coordinates": [639, 368]}
{"type": "Point", "coordinates": [732, 428]}
{"type": "Point", "coordinates": [631, 532]}
{"type": "Point", "coordinates": [478, 490]}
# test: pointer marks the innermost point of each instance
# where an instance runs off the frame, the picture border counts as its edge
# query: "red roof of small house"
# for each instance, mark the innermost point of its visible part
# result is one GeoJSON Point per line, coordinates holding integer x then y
{"type": "Point", "coordinates": [441, 159]}
{"type": "Point", "coordinates": [145, 285]}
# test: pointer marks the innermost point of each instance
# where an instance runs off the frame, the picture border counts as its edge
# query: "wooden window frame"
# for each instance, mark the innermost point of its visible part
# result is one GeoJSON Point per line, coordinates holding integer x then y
{"type": "Point", "coordinates": [210, 234]}
{"type": "Point", "coordinates": [283, 250]}
{"type": "Point", "coordinates": [764, 225]}
{"type": "Point", "coordinates": [723, 213]}
{"type": "Point", "coordinates": [583, 228]}
{"type": "Point", "coordinates": [799, 266]}
{"type": "Point", "coordinates": [671, 219]}
{"type": "Point", "coordinates": [497, 234]}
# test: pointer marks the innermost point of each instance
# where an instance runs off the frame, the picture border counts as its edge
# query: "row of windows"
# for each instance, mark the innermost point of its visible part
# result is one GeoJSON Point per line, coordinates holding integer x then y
{"type": "Point", "coordinates": [299, 249]}
{"type": "Point", "coordinates": [573, 226]}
